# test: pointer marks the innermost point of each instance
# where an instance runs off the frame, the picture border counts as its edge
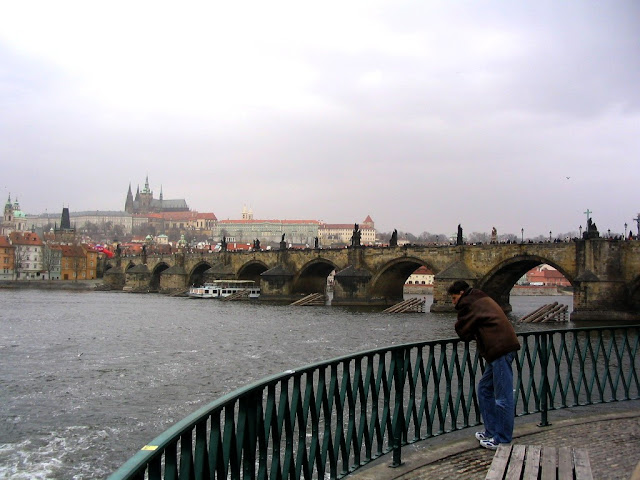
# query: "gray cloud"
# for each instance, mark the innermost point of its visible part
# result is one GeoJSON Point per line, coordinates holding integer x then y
{"type": "Point", "coordinates": [422, 116]}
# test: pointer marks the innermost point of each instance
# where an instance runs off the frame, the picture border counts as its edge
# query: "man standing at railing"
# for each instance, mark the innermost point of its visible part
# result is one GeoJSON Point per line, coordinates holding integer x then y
{"type": "Point", "coordinates": [481, 319]}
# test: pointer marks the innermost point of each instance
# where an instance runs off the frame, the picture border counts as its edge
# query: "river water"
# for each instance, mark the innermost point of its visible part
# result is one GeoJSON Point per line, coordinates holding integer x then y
{"type": "Point", "coordinates": [87, 378]}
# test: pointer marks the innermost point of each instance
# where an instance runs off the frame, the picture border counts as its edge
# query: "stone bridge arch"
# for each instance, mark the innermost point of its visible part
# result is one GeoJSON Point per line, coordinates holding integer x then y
{"type": "Point", "coordinates": [252, 271]}
{"type": "Point", "coordinates": [312, 277]}
{"type": "Point", "coordinates": [196, 276]}
{"type": "Point", "coordinates": [388, 282]}
{"type": "Point", "coordinates": [499, 281]}
{"type": "Point", "coordinates": [156, 273]}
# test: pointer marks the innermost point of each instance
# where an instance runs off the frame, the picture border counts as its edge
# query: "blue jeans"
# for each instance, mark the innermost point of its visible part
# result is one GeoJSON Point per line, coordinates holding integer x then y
{"type": "Point", "coordinates": [495, 395]}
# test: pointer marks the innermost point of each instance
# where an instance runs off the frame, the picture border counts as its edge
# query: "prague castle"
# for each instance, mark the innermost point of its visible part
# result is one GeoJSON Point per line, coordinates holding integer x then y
{"type": "Point", "coordinates": [144, 202]}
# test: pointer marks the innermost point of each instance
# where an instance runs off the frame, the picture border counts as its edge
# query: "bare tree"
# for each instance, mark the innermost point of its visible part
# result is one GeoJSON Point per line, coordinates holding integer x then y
{"type": "Point", "coordinates": [50, 259]}
{"type": "Point", "coordinates": [78, 262]}
{"type": "Point", "coordinates": [479, 237]}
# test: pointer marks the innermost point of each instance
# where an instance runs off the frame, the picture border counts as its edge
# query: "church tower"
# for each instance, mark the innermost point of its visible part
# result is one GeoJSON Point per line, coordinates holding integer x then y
{"type": "Point", "coordinates": [146, 197]}
{"type": "Point", "coordinates": [247, 213]}
{"type": "Point", "coordinates": [128, 204]}
{"type": "Point", "coordinates": [7, 220]}
{"type": "Point", "coordinates": [65, 233]}
{"type": "Point", "coordinates": [14, 220]}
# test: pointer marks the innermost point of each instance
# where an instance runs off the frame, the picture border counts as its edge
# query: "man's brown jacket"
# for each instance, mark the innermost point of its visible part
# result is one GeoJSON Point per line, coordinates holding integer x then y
{"type": "Point", "coordinates": [481, 319]}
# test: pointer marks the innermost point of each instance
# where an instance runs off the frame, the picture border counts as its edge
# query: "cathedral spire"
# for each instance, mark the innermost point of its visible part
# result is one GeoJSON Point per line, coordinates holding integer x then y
{"type": "Point", "coordinates": [128, 204]}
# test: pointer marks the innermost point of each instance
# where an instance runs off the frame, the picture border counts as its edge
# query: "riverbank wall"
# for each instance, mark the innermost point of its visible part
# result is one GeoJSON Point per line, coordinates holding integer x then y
{"type": "Point", "coordinates": [50, 284]}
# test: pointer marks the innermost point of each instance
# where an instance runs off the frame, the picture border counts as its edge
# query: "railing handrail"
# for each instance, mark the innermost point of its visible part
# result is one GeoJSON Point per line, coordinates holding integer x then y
{"type": "Point", "coordinates": [394, 372]}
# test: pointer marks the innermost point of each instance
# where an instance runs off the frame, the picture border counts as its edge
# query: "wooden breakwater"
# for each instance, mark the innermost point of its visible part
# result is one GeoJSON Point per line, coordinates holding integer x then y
{"type": "Point", "coordinates": [410, 305]}
{"type": "Point", "coordinates": [311, 300]}
{"type": "Point", "coordinates": [552, 312]}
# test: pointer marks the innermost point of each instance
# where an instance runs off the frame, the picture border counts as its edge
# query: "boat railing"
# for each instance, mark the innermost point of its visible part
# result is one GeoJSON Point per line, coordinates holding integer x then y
{"type": "Point", "coordinates": [328, 419]}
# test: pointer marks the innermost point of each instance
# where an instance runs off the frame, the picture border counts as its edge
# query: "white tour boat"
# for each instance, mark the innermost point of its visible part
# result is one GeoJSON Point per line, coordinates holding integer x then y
{"type": "Point", "coordinates": [225, 288]}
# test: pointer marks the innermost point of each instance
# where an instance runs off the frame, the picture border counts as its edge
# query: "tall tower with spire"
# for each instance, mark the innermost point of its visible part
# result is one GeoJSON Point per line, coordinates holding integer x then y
{"type": "Point", "coordinates": [128, 204]}
{"type": "Point", "coordinates": [146, 197]}
{"type": "Point", "coordinates": [14, 220]}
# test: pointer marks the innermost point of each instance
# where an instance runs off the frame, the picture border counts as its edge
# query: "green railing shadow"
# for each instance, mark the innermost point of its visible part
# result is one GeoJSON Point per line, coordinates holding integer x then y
{"type": "Point", "coordinates": [330, 418]}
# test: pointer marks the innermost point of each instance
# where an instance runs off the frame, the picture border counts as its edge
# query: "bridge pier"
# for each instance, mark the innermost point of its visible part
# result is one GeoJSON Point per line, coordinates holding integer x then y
{"type": "Point", "coordinates": [173, 279]}
{"type": "Point", "coordinates": [597, 300]}
{"type": "Point", "coordinates": [276, 284]}
{"type": "Point", "coordinates": [115, 278]}
{"type": "Point", "coordinates": [441, 282]}
{"type": "Point", "coordinates": [351, 287]}
{"type": "Point", "coordinates": [138, 278]}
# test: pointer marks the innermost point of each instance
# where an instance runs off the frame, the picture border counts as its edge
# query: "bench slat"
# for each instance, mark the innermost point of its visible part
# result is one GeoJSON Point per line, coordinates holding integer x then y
{"type": "Point", "coordinates": [499, 463]}
{"type": "Point", "coordinates": [582, 464]}
{"type": "Point", "coordinates": [565, 463]}
{"type": "Point", "coordinates": [516, 462]}
{"type": "Point", "coordinates": [549, 463]}
{"type": "Point", "coordinates": [532, 462]}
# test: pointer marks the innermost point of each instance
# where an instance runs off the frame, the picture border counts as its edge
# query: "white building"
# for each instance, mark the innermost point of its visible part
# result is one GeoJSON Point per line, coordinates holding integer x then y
{"type": "Point", "coordinates": [28, 256]}
{"type": "Point", "coordinates": [422, 276]}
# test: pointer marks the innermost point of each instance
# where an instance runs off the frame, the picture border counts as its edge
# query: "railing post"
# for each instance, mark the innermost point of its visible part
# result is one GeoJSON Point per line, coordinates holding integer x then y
{"type": "Point", "coordinates": [398, 411]}
{"type": "Point", "coordinates": [544, 388]}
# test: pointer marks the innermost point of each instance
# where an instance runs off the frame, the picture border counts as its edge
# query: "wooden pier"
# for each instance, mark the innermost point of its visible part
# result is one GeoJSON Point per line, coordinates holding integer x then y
{"type": "Point", "coordinates": [311, 300]}
{"type": "Point", "coordinates": [410, 305]}
{"type": "Point", "coordinates": [553, 312]}
{"type": "Point", "coordinates": [240, 295]}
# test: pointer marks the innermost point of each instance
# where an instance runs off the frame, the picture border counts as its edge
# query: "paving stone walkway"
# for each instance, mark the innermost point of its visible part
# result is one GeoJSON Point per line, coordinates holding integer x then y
{"type": "Point", "coordinates": [611, 436]}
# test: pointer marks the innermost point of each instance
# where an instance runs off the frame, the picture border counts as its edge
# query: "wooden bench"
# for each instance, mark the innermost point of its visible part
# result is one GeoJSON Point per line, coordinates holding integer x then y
{"type": "Point", "coordinates": [533, 462]}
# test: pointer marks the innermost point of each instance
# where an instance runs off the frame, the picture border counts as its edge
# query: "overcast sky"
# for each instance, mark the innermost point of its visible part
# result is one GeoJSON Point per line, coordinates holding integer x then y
{"type": "Point", "coordinates": [423, 114]}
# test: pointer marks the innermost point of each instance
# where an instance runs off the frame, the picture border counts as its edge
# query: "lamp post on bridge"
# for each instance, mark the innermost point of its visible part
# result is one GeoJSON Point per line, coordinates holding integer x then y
{"type": "Point", "coordinates": [522, 235]}
{"type": "Point", "coordinates": [549, 235]}
{"type": "Point", "coordinates": [580, 228]}
{"type": "Point", "coordinates": [625, 230]}
{"type": "Point", "coordinates": [609, 233]}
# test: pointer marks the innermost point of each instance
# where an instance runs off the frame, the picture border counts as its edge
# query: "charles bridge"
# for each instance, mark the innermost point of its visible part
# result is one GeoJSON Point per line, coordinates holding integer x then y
{"type": "Point", "coordinates": [604, 273]}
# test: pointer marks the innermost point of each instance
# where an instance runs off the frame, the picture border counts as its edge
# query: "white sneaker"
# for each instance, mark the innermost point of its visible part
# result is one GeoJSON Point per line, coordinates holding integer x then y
{"type": "Point", "coordinates": [489, 444]}
{"type": "Point", "coordinates": [482, 436]}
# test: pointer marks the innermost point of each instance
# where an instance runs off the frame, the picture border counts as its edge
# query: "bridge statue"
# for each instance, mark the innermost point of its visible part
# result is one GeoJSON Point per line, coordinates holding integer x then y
{"type": "Point", "coordinates": [223, 244]}
{"type": "Point", "coordinates": [393, 242]}
{"type": "Point", "coordinates": [494, 235]}
{"type": "Point", "coordinates": [357, 235]}
{"type": "Point", "coordinates": [283, 244]}
{"type": "Point", "coordinates": [316, 243]}
{"type": "Point", "coordinates": [459, 237]}
{"type": "Point", "coordinates": [592, 230]}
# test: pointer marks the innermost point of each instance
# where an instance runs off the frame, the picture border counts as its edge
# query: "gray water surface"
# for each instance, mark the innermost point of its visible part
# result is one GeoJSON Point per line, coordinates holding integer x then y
{"type": "Point", "coordinates": [87, 378]}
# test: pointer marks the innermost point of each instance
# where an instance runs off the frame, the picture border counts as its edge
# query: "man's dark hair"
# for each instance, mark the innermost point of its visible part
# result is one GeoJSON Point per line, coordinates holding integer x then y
{"type": "Point", "coordinates": [457, 287]}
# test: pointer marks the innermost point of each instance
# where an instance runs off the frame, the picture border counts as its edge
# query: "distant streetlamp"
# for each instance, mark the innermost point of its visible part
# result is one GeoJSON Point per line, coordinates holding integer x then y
{"type": "Point", "coordinates": [522, 234]}
{"type": "Point", "coordinates": [609, 233]}
{"type": "Point", "coordinates": [625, 230]}
{"type": "Point", "coordinates": [549, 235]}
{"type": "Point", "coordinates": [580, 231]}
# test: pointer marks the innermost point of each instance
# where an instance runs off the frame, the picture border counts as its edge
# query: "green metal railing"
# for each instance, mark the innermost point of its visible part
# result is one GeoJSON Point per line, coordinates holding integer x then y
{"type": "Point", "coordinates": [328, 419]}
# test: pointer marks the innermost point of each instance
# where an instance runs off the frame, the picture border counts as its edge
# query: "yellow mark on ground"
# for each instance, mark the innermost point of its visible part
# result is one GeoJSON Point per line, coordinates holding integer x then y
{"type": "Point", "coordinates": [150, 447]}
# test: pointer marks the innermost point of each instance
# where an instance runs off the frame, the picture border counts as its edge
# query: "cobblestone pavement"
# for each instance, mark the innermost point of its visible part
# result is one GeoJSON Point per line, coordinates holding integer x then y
{"type": "Point", "coordinates": [611, 436]}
